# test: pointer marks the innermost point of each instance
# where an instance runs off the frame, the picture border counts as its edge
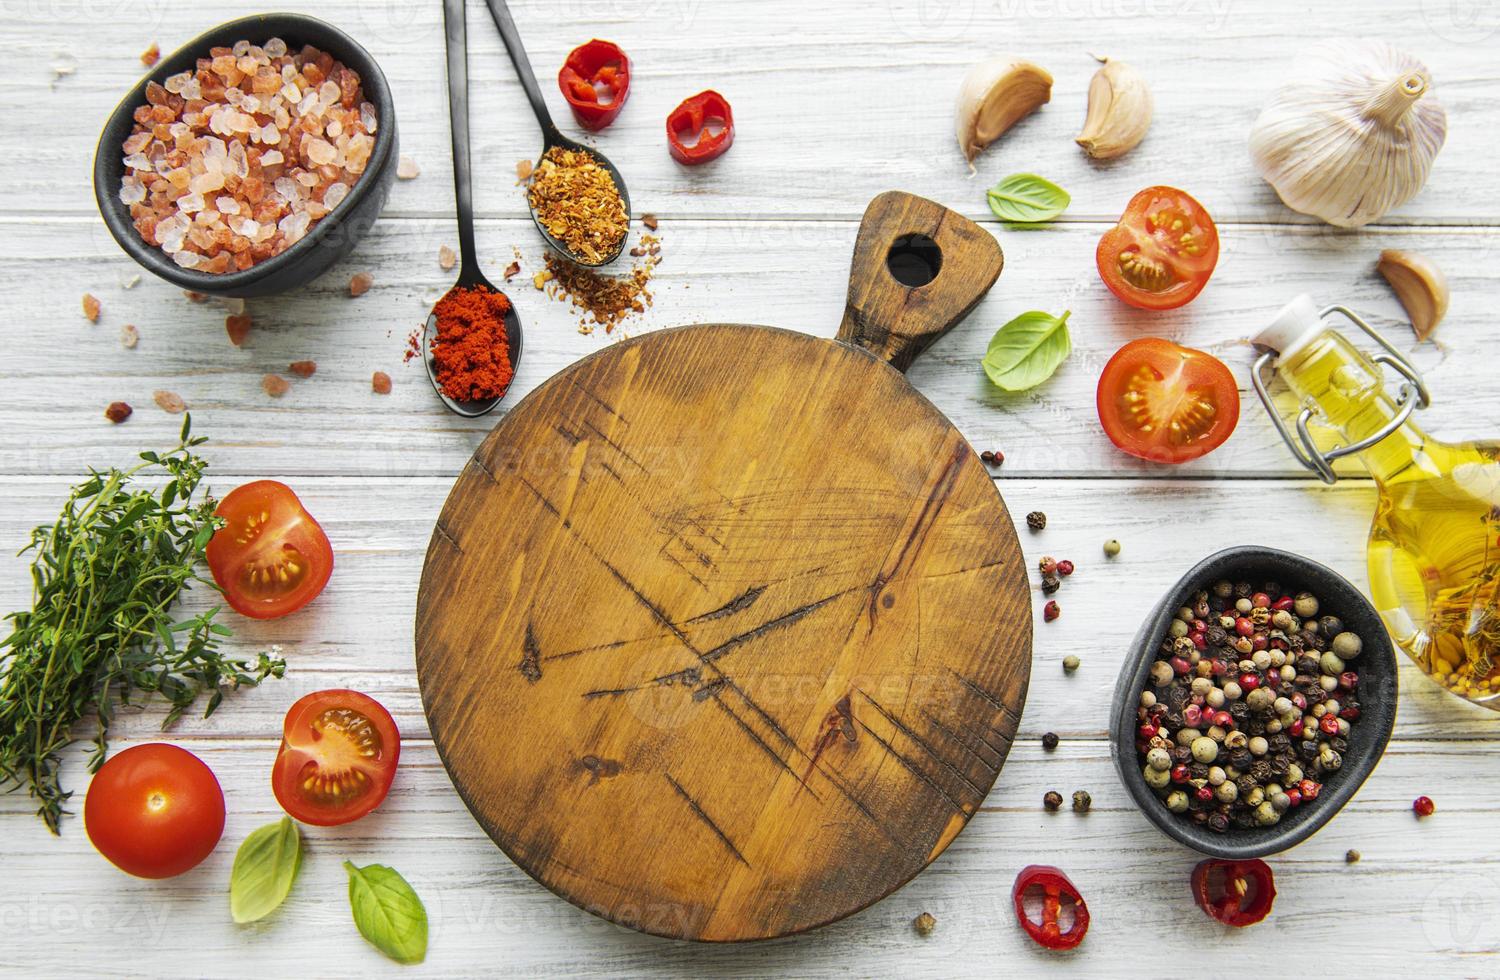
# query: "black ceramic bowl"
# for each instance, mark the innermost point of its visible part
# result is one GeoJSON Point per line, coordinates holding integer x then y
{"type": "Point", "coordinates": [1367, 740]}
{"type": "Point", "coordinates": [331, 238]}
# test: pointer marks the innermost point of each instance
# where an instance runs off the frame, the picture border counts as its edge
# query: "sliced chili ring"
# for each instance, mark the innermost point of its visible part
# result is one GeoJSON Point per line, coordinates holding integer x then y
{"type": "Point", "coordinates": [589, 67]}
{"type": "Point", "coordinates": [1236, 893]}
{"type": "Point", "coordinates": [1056, 889]}
{"type": "Point", "coordinates": [707, 120]}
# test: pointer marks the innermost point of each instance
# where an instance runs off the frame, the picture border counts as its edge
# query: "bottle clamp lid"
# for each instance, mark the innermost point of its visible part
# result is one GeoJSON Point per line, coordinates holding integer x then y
{"type": "Point", "coordinates": [1293, 328]}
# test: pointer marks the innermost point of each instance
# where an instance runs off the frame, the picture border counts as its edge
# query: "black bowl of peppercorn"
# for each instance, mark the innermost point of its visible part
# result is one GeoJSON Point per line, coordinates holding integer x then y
{"type": "Point", "coordinates": [1260, 696]}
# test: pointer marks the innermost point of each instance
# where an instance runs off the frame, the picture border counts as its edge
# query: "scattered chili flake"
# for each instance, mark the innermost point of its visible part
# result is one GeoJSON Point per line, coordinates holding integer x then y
{"type": "Point", "coordinates": [193, 297]}
{"type": "Point", "coordinates": [303, 369]}
{"type": "Point", "coordinates": [129, 335]}
{"type": "Point", "coordinates": [380, 383]}
{"type": "Point", "coordinates": [602, 300]}
{"type": "Point", "coordinates": [91, 307]}
{"type": "Point", "coordinates": [413, 345]}
{"type": "Point", "coordinates": [470, 349]}
{"type": "Point", "coordinates": [169, 402]}
{"type": "Point", "coordinates": [649, 220]}
{"type": "Point", "coordinates": [117, 412]}
{"type": "Point", "coordinates": [237, 325]}
{"type": "Point", "coordinates": [511, 270]}
{"type": "Point", "coordinates": [523, 170]}
{"type": "Point", "coordinates": [924, 924]}
{"type": "Point", "coordinates": [407, 169]}
{"type": "Point", "coordinates": [446, 257]}
{"type": "Point", "coordinates": [576, 200]}
{"type": "Point", "coordinates": [360, 283]}
{"type": "Point", "coordinates": [151, 55]}
{"type": "Point", "coordinates": [275, 385]}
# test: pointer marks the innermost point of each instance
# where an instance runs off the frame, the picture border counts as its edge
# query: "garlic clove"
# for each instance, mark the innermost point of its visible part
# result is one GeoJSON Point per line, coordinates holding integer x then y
{"type": "Point", "coordinates": [1419, 285]}
{"type": "Point", "coordinates": [1120, 110]}
{"type": "Point", "coordinates": [1353, 135]}
{"type": "Point", "coordinates": [995, 95]}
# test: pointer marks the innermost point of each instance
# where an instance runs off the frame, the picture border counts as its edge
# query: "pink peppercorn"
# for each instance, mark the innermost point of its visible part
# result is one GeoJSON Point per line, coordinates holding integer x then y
{"type": "Point", "coordinates": [1192, 715]}
{"type": "Point", "coordinates": [1329, 724]}
{"type": "Point", "coordinates": [1244, 627]}
{"type": "Point", "coordinates": [1260, 600]}
{"type": "Point", "coordinates": [1065, 567]}
{"type": "Point", "coordinates": [1051, 610]}
{"type": "Point", "coordinates": [1249, 681]}
{"type": "Point", "coordinates": [1423, 806]}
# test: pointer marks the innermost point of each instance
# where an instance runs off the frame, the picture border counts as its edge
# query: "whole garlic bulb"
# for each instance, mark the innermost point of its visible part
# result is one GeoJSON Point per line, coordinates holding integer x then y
{"type": "Point", "coordinates": [1354, 136]}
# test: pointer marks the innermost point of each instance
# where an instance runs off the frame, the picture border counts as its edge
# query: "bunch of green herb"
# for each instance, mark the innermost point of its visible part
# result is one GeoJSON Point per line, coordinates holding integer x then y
{"type": "Point", "coordinates": [100, 632]}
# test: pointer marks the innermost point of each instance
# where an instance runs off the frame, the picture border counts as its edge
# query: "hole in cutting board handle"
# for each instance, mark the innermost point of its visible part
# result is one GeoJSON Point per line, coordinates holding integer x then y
{"type": "Point", "coordinates": [914, 259]}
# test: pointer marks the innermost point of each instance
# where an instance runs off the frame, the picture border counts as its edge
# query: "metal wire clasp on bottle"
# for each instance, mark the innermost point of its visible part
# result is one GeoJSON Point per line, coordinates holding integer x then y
{"type": "Point", "coordinates": [1411, 396]}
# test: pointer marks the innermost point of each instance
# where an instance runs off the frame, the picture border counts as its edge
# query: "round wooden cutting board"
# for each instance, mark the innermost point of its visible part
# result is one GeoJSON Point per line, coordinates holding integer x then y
{"type": "Point", "coordinates": [724, 632]}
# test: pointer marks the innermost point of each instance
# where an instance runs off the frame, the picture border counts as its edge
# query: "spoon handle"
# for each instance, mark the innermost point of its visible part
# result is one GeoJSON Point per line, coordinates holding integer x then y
{"type": "Point", "coordinates": [512, 38]}
{"type": "Point", "coordinates": [458, 116]}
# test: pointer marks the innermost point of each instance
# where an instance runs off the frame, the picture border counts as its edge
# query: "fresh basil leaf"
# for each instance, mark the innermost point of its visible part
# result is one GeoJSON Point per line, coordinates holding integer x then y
{"type": "Point", "coordinates": [1027, 198]}
{"type": "Point", "coordinates": [1026, 351]}
{"type": "Point", "coordinates": [264, 868]}
{"type": "Point", "coordinates": [387, 912]}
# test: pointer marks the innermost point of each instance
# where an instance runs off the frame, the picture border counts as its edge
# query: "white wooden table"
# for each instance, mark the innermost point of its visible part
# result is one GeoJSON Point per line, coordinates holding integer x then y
{"type": "Point", "coordinates": [834, 103]}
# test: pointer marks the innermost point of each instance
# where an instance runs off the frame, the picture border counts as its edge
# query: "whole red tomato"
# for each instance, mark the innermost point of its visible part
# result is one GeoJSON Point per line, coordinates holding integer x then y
{"type": "Point", "coordinates": [154, 810]}
{"type": "Point", "coordinates": [270, 557]}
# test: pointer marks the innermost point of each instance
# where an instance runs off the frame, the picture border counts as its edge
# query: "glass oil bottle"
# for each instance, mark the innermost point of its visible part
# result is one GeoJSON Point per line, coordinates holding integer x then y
{"type": "Point", "coordinates": [1434, 549]}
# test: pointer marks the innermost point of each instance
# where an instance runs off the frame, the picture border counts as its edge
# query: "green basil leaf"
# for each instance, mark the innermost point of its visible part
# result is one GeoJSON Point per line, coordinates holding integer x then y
{"type": "Point", "coordinates": [1026, 351]}
{"type": "Point", "coordinates": [387, 912]}
{"type": "Point", "coordinates": [1027, 198]}
{"type": "Point", "coordinates": [264, 868]}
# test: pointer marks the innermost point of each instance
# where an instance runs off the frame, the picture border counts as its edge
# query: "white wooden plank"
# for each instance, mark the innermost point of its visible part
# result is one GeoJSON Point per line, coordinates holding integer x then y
{"type": "Point", "coordinates": [359, 632]}
{"type": "Point", "coordinates": [64, 905]}
{"type": "Point", "coordinates": [833, 102]}
{"type": "Point", "coordinates": [792, 274]}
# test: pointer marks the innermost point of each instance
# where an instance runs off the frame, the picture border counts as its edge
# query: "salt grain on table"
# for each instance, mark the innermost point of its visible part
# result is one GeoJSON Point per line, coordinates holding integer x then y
{"type": "Point", "coordinates": [236, 161]}
{"type": "Point", "coordinates": [169, 402]}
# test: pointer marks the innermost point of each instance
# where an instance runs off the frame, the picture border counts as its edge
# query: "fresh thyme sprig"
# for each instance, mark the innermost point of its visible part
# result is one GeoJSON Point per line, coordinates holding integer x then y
{"type": "Point", "coordinates": [105, 577]}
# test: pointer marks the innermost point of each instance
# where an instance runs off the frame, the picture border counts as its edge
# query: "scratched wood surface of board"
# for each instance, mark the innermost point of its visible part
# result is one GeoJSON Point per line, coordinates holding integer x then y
{"type": "Point", "coordinates": [693, 633]}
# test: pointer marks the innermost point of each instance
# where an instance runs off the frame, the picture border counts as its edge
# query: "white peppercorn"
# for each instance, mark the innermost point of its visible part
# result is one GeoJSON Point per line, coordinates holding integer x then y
{"type": "Point", "coordinates": [1226, 792]}
{"type": "Point", "coordinates": [1331, 663]}
{"type": "Point", "coordinates": [1177, 801]}
{"type": "Point", "coordinates": [1258, 745]}
{"type": "Point", "coordinates": [1204, 749]}
{"type": "Point", "coordinates": [1161, 673]}
{"type": "Point", "coordinates": [1214, 698]}
{"type": "Point", "coordinates": [1305, 605]}
{"type": "Point", "coordinates": [1347, 645]}
{"type": "Point", "coordinates": [1157, 778]}
{"type": "Point", "coordinates": [1159, 759]}
{"type": "Point", "coordinates": [1216, 775]}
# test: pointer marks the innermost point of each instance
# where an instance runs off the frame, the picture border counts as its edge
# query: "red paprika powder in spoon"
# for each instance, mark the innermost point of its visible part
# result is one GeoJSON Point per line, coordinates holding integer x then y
{"type": "Point", "coordinates": [471, 352]}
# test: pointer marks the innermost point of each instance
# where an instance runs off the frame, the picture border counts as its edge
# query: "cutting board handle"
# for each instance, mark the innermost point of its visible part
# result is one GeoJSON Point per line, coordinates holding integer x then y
{"type": "Point", "coordinates": [918, 269]}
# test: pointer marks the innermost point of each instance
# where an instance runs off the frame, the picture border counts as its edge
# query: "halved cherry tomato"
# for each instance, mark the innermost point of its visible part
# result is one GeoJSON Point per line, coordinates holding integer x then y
{"type": "Point", "coordinates": [1161, 253]}
{"type": "Point", "coordinates": [154, 810]}
{"type": "Point", "coordinates": [1055, 889]}
{"type": "Point", "coordinates": [1237, 893]}
{"type": "Point", "coordinates": [337, 758]}
{"type": "Point", "coordinates": [1167, 403]}
{"type": "Point", "coordinates": [270, 557]}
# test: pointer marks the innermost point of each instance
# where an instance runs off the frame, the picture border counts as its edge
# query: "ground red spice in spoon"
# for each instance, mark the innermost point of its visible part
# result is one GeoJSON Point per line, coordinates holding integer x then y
{"type": "Point", "coordinates": [470, 352]}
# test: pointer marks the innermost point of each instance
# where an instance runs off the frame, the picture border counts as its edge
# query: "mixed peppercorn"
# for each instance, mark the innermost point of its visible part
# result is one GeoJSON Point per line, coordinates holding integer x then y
{"type": "Point", "coordinates": [1248, 708]}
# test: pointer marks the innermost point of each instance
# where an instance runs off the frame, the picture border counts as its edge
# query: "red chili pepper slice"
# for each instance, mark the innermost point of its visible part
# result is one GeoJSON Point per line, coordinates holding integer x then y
{"type": "Point", "coordinates": [1055, 888]}
{"type": "Point", "coordinates": [590, 66]}
{"type": "Point", "coordinates": [1237, 893]}
{"type": "Point", "coordinates": [699, 116]}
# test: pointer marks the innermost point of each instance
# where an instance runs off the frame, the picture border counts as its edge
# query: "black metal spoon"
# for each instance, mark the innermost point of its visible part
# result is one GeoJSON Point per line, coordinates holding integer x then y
{"type": "Point", "coordinates": [469, 275]}
{"type": "Point", "coordinates": [550, 135]}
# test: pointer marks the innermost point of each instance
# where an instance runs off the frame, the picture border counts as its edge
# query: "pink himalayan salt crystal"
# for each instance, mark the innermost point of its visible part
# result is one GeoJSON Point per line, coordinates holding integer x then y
{"type": "Point", "coordinates": [407, 169]}
{"type": "Point", "coordinates": [275, 385]}
{"type": "Point", "coordinates": [169, 402]}
{"type": "Point", "coordinates": [234, 161]}
{"type": "Point", "coordinates": [91, 307]}
{"type": "Point", "coordinates": [129, 335]}
{"type": "Point", "coordinates": [360, 283]}
{"type": "Point", "coordinates": [446, 258]}
{"type": "Point", "coordinates": [380, 383]}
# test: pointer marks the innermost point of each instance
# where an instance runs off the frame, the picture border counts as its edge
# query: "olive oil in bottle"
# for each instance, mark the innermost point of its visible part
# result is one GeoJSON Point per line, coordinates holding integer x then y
{"type": "Point", "coordinates": [1434, 550]}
